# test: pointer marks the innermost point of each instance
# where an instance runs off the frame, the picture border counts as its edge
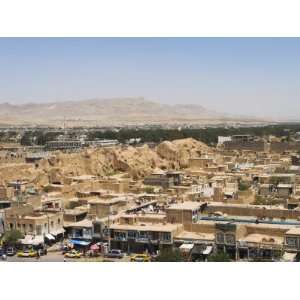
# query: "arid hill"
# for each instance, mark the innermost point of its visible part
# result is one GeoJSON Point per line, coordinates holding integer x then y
{"type": "Point", "coordinates": [135, 161]}
{"type": "Point", "coordinates": [109, 112]}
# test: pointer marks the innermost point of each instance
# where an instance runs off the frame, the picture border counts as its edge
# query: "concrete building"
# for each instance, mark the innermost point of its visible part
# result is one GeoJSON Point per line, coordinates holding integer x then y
{"type": "Point", "coordinates": [29, 222]}
{"type": "Point", "coordinates": [159, 179]}
{"type": "Point", "coordinates": [101, 208]}
{"type": "Point", "coordinates": [245, 142]}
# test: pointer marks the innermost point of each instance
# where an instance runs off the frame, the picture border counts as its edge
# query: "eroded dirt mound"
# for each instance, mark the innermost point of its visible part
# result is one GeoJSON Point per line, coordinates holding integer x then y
{"type": "Point", "coordinates": [178, 152]}
{"type": "Point", "coordinates": [136, 161]}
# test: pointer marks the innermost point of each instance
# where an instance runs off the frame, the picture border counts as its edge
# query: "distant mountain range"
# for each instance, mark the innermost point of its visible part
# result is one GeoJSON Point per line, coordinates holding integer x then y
{"type": "Point", "coordinates": [105, 112]}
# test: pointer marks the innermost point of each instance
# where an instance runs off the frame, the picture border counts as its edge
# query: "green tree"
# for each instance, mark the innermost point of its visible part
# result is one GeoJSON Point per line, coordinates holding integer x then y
{"type": "Point", "coordinates": [219, 257]}
{"type": "Point", "coordinates": [149, 189]}
{"type": "Point", "coordinates": [169, 255]}
{"type": "Point", "coordinates": [11, 238]}
{"type": "Point", "coordinates": [243, 186]}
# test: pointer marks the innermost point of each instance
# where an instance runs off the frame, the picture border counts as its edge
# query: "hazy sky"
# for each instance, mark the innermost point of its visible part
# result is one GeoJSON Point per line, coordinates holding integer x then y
{"type": "Point", "coordinates": [240, 76]}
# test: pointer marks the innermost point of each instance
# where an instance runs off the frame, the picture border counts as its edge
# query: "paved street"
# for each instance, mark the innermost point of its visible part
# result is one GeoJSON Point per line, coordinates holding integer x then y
{"type": "Point", "coordinates": [58, 257]}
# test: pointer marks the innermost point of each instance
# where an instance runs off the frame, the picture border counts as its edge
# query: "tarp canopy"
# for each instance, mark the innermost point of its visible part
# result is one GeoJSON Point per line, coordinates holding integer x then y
{"type": "Point", "coordinates": [289, 256]}
{"type": "Point", "coordinates": [95, 247]}
{"type": "Point", "coordinates": [38, 239]}
{"type": "Point", "coordinates": [32, 240]}
{"type": "Point", "coordinates": [27, 240]}
{"type": "Point", "coordinates": [57, 232]}
{"type": "Point", "coordinates": [186, 247]}
{"type": "Point", "coordinates": [50, 237]}
{"type": "Point", "coordinates": [207, 250]}
{"type": "Point", "coordinates": [79, 242]}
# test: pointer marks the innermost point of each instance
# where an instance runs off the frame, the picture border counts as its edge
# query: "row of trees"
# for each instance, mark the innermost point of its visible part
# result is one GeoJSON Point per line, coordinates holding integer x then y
{"type": "Point", "coordinates": [207, 135]}
{"type": "Point", "coordinates": [156, 135]}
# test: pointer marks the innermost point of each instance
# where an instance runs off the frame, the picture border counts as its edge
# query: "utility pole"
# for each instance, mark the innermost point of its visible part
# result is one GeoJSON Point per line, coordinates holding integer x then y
{"type": "Point", "coordinates": [18, 192]}
{"type": "Point", "coordinates": [108, 227]}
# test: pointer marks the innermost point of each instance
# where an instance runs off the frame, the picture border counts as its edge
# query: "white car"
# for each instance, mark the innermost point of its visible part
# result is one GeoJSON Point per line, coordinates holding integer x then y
{"type": "Point", "coordinates": [115, 253]}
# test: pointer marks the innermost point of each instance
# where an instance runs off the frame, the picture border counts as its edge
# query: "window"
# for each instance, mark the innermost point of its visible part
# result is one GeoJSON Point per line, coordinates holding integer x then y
{"type": "Point", "coordinates": [30, 227]}
{"type": "Point", "coordinates": [11, 225]}
{"type": "Point", "coordinates": [131, 234]}
{"type": "Point", "coordinates": [45, 225]}
{"type": "Point", "coordinates": [120, 236]}
{"type": "Point", "coordinates": [230, 238]}
{"type": "Point", "coordinates": [58, 221]}
{"type": "Point", "coordinates": [106, 231]}
{"type": "Point", "coordinates": [39, 229]}
{"type": "Point", "coordinates": [78, 233]}
{"type": "Point", "coordinates": [154, 235]}
{"type": "Point", "coordinates": [18, 225]}
{"type": "Point", "coordinates": [166, 236]}
{"type": "Point", "coordinates": [291, 241]}
{"type": "Point", "coordinates": [143, 235]}
{"type": "Point", "coordinates": [220, 238]}
{"type": "Point", "coordinates": [52, 224]}
{"type": "Point", "coordinates": [24, 226]}
{"type": "Point", "coordinates": [97, 228]}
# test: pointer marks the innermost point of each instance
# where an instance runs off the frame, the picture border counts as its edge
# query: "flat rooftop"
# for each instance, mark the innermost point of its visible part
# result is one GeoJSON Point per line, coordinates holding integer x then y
{"type": "Point", "coordinates": [107, 201]}
{"type": "Point", "coordinates": [263, 238]}
{"type": "Point", "coordinates": [146, 227]}
{"type": "Point", "coordinates": [251, 222]}
{"type": "Point", "coordinates": [154, 216]}
{"type": "Point", "coordinates": [294, 231]}
{"type": "Point", "coordinates": [222, 204]}
{"type": "Point", "coordinates": [188, 235]}
{"type": "Point", "coordinates": [74, 212]}
{"type": "Point", "coordinates": [187, 205]}
{"type": "Point", "coordinates": [83, 223]}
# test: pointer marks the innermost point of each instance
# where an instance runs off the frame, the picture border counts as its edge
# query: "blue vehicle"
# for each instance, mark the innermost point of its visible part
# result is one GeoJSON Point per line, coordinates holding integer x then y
{"type": "Point", "coordinates": [2, 251]}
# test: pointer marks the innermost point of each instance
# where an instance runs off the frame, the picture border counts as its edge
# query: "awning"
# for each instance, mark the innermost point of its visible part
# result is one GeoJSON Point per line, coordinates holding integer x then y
{"type": "Point", "coordinates": [218, 213]}
{"type": "Point", "coordinates": [208, 250]}
{"type": "Point", "coordinates": [95, 247]}
{"type": "Point", "coordinates": [50, 237]}
{"type": "Point", "coordinates": [57, 232]}
{"type": "Point", "coordinates": [289, 256]}
{"type": "Point", "coordinates": [186, 247]}
{"type": "Point", "coordinates": [79, 242]}
{"type": "Point", "coordinates": [38, 239]}
{"type": "Point", "coordinates": [27, 240]}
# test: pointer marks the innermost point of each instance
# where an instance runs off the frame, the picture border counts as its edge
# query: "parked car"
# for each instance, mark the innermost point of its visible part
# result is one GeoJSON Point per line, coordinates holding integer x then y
{"type": "Point", "coordinates": [2, 251]}
{"type": "Point", "coordinates": [115, 253]}
{"type": "Point", "coordinates": [27, 253]}
{"type": "Point", "coordinates": [10, 251]}
{"type": "Point", "coordinates": [140, 258]}
{"type": "Point", "coordinates": [73, 254]}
